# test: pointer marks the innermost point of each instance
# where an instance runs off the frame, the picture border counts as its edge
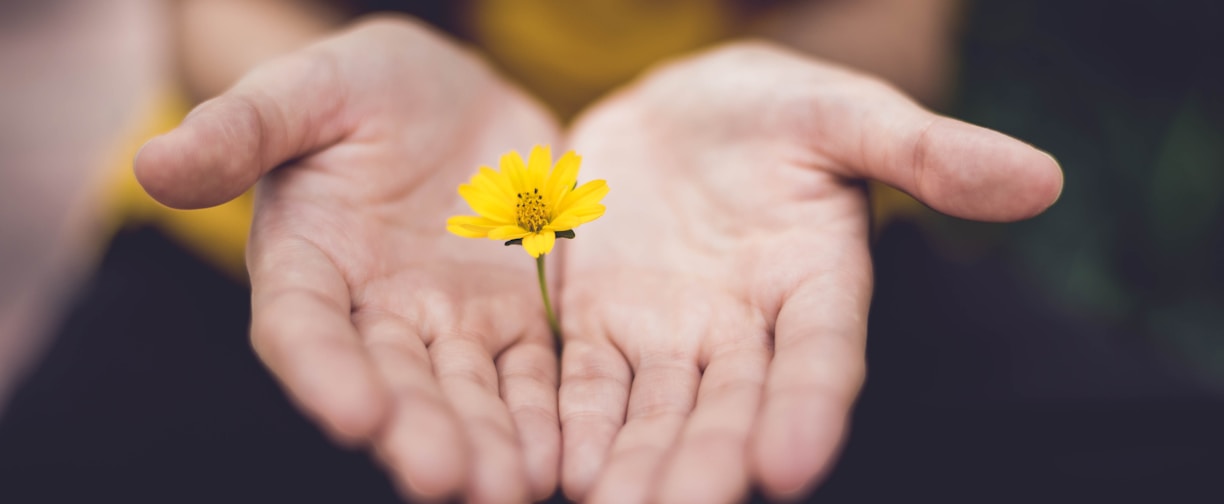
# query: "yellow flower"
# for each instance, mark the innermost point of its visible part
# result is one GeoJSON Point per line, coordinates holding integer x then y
{"type": "Point", "coordinates": [532, 202]}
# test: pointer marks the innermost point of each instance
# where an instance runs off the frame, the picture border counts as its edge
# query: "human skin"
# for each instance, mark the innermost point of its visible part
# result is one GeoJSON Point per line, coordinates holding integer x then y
{"type": "Point", "coordinates": [912, 44]}
{"type": "Point", "coordinates": [391, 333]}
{"type": "Point", "coordinates": [716, 315]}
{"type": "Point", "coordinates": [76, 76]}
{"type": "Point", "coordinates": [219, 41]}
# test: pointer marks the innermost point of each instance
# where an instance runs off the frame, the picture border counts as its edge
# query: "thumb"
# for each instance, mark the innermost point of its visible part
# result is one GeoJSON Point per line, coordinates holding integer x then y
{"type": "Point", "coordinates": [954, 167]}
{"type": "Point", "coordinates": [279, 111]}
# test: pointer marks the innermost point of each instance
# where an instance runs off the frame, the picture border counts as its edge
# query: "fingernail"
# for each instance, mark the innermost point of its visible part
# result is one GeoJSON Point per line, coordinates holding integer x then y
{"type": "Point", "coordinates": [1062, 181]}
{"type": "Point", "coordinates": [142, 147]}
{"type": "Point", "coordinates": [1052, 158]}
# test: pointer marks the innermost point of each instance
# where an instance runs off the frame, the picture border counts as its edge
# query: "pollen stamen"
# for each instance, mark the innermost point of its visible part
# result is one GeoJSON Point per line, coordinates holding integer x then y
{"type": "Point", "coordinates": [531, 213]}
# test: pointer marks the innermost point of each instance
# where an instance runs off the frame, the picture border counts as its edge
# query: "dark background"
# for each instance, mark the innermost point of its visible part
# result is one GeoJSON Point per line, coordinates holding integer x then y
{"type": "Point", "coordinates": [1075, 357]}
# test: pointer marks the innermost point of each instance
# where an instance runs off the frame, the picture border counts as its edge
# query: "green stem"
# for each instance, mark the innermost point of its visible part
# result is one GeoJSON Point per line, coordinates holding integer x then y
{"type": "Point", "coordinates": [552, 316]}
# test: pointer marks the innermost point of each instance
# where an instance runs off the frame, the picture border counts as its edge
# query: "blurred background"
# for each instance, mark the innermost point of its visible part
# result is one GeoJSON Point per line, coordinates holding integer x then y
{"type": "Point", "coordinates": [1077, 356]}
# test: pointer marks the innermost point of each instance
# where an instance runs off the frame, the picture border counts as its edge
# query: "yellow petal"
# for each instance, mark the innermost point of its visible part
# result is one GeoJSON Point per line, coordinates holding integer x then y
{"type": "Point", "coordinates": [576, 216]}
{"type": "Point", "coordinates": [562, 178]}
{"type": "Point", "coordinates": [586, 194]}
{"type": "Point", "coordinates": [470, 226]}
{"type": "Point", "coordinates": [494, 183]}
{"type": "Point", "coordinates": [539, 243]}
{"type": "Point", "coordinates": [513, 168]}
{"type": "Point", "coordinates": [507, 233]}
{"type": "Point", "coordinates": [487, 204]}
{"type": "Point", "coordinates": [538, 166]}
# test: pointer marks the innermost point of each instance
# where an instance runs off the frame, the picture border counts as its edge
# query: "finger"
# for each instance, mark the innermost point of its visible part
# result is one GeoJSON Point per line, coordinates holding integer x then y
{"type": "Point", "coordinates": [594, 393]}
{"type": "Point", "coordinates": [468, 377]}
{"type": "Point", "coordinates": [528, 374]}
{"type": "Point", "coordinates": [664, 391]}
{"type": "Point", "coordinates": [954, 167]}
{"type": "Point", "coordinates": [280, 111]}
{"type": "Point", "coordinates": [710, 462]}
{"type": "Point", "coordinates": [423, 443]}
{"type": "Point", "coordinates": [300, 328]}
{"type": "Point", "coordinates": [817, 371]}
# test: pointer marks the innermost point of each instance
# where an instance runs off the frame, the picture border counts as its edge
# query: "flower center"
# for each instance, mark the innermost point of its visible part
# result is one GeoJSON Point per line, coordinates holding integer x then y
{"type": "Point", "coordinates": [531, 213]}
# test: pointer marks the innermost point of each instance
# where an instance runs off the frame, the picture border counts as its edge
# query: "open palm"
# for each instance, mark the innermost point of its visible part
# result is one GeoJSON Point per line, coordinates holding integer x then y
{"type": "Point", "coordinates": [716, 315]}
{"type": "Point", "coordinates": [387, 330]}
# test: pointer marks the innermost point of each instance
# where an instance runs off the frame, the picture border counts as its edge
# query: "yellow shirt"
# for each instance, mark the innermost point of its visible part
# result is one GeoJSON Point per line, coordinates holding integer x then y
{"type": "Point", "coordinates": [566, 53]}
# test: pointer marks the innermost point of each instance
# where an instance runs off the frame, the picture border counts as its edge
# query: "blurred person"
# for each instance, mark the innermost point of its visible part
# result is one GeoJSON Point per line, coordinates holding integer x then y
{"type": "Point", "coordinates": [55, 136]}
{"type": "Point", "coordinates": [657, 94]}
{"type": "Point", "coordinates": [210, 57]}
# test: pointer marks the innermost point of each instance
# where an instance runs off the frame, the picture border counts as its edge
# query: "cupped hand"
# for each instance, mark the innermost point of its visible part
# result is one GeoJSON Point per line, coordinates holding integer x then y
{"type": "Point", "coordinates": [388, 331]}
{"type": "Point", "coordinates": [716, 316]}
